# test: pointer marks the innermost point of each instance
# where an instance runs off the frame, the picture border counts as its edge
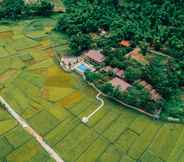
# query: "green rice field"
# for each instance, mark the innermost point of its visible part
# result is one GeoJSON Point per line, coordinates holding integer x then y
{"type": "Point", "coordinates": [53, 103]}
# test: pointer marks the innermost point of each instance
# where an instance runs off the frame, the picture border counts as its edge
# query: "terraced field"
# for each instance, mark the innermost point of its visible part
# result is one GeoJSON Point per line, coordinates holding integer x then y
{"type": "Point", "coordinates": [53, 102]}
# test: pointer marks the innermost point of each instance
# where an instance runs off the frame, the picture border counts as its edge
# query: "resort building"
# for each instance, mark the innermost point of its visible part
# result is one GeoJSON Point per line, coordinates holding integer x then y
{"type": "Point", "coordinates": [120, 83]}
{"type": "Point", "coordinates": [153, 93]}
{"type": "Point", "coordinates": [125, 43]}
{"type": "Point", "coordinates": [95, 56]}
{"type": "Point", "coordinates": [136, 55]}
{"type": "Point", "coordinates": [118, 72]}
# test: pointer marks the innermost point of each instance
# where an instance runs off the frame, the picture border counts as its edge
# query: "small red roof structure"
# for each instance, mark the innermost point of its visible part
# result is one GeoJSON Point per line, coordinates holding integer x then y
{"type": "Point", "coordinates": [135, 54]}
{"type": "Point", "coordinates": [118, 72]}
{"type": "Point", "coordinates": [153, 93]}
{"type": "Point", "coordinates": [125, 43]}
{"type": "Point", "coordinates": [117, 82]}
{"type": "Point", "coordinates": [95, 56]}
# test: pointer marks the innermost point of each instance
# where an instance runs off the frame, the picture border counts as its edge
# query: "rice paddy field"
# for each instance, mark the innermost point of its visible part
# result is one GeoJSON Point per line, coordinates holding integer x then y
{"type": "Point", "coordinates": [53, 103]}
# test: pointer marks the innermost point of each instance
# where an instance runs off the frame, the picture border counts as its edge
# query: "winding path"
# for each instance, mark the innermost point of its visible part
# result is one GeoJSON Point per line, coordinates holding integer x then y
{"type": "Point", "coordinates": [86, 119]}
{"type": "Point", "coordinates": [31, 131]}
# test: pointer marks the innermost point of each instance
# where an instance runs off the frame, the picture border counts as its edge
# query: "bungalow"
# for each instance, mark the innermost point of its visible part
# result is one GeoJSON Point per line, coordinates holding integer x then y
{"type": "Point", "coordinates": [122, 84]}
{"type": "Point", "coordinates": [136, 55]}
{"type": "Point", "coordinates": [95, 56]}
{"type": "Point", "coordinates": [153, 93]}
{"type": "Point", "coordinates": [125, 43]}
{"type": "Point", "coordinates": [118, 72]}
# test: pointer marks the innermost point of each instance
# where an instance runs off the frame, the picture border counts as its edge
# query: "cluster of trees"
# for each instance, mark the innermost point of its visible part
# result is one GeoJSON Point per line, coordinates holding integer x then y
{"type": "Point", "coordinates": [164, 75]}
{"type": "Point", "coordinates": [147, 23]}
{"type": "Point", "coordinates": [13, 9]}
{"type": "Point", "coordinates": [136, 95]}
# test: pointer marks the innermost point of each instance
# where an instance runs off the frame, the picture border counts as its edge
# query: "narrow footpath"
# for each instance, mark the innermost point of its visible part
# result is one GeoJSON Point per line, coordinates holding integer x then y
{"type": "Point", "coordinates": [86, 119]}
{"type": "Point", "coordinates": [31, 131]}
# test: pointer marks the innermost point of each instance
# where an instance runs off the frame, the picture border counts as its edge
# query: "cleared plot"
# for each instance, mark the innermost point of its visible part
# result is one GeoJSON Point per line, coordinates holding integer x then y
{"type": "Point", "coordinates": [108, 120]}
{"type": "Point", "coordinates": [119, 126]}
{"type": "Point", "coordinates": [140, 124]}
{"type": "Point", "coordinates": [149, 156]}
{"type": "Point", "coordinates": [56, 93]}
{"type": "Point", "coordinates": [144, 140]}
{"type": "Point", "coordinates": [81, 106]}
{"type": "Point", "coordinates": [70, 100]}
{"type": "Point", "coordinates": [26, 57]}
{"type": "Point", "coordinates": [41, 157]}
{"type": "Point", "coordinates": [3, 52]}
{"type": "Point", "coordinates": [75, 143]}
{"type": "Point", "coordinates": [32, 78]}
{"type": "Point", "coordinates": [41, 65]}
{"type": "Point", "coordinates": [58, 78]}
{"type": "Point", "coordinates": [24, 43]}
{"type": "Point", "coordinates": [94, 151]}
{"type": "Point", "coordinates": [177, 153]}
{"type": "Point", "coordinates": [160, 146]}
{"type": "Point", "coordinates": [59, 112]}
{"type": "Point", "coordinates": [24, 153]}
{"type": "Point", "coordinates": [126, 158]}
{"type": "Point", "coordinates": [111, 154]}
{"type": "Point", "coordinates": [3, 114]}
{"type": "Point", "coordinates": [5, 147]}
{"type": "Point", "coordinates": [43, 122]}
{"type": "Point", "coordinates": [16, 99]}
{"type": "Point", "coordinates": [59, 132]}
{"type": "Point", "coordinates": [126, 140]}
{"type": "Point", "coordinates": [7, 125]}
{"type": "Point", "coordinates": [17, 136]}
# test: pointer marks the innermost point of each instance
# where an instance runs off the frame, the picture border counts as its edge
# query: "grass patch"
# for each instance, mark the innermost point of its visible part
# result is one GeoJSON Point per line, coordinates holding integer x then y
{"type": "Point", "coordinates": [43, 122]}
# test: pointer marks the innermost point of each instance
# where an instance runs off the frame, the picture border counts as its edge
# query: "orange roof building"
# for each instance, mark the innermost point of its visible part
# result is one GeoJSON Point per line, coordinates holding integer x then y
{"type": "Point", "coordinates": [135, 54]}
{"type": "Point", "coordinates": [125, 43]}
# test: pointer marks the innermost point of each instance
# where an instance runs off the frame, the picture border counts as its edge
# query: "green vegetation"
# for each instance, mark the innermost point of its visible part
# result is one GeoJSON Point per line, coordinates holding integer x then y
{"type": "Point", "coordinates": [18, 9]}
{"type": "Point", "coordinates": [149, 25]}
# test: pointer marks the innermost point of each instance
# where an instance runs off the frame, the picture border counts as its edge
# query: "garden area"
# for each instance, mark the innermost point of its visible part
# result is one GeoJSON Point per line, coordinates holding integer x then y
{"type": "Point", "coordinates": [53, 103]}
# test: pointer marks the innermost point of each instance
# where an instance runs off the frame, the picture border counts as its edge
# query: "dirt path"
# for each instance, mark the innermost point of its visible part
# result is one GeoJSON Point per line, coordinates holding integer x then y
{"type": "Point", "coordinates": [31, 131]}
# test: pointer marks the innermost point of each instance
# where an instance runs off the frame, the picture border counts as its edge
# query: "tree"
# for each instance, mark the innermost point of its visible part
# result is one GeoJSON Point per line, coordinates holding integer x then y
{"type": "Point", "coordinates": [79, 43]}
{"type": "Point", "coordinates": [162, 74]}
{"type": "Point", "coordinates": [92, 76]}
{"type": "Point", "coordinates": [41, 7]}
{"type": "Point", "coordinates": [107, 88]}
{"type": "Point", "coordinates": [133, 73]}
{"type": "Point", "coordinates": [137, 96]}
{"type": "Point", "coordinates": [12, 8]}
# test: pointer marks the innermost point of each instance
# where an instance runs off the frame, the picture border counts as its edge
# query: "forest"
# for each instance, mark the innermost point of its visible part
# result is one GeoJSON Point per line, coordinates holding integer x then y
{"type": "Point", "coordinates": [18, 9]}
{"type": "Point", "coordinates": [151, 25]}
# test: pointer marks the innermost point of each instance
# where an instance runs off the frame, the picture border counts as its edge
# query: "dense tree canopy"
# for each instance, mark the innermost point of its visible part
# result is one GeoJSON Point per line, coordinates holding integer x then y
{"type": "Point", "coordinates": [159, 24]}
{"type": "Point", "coordinates": [18, 8]}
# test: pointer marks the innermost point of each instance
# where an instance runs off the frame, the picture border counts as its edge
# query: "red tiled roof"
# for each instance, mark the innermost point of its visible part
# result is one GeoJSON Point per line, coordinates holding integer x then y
{"type": "Point", "coordinates": [118, 72]}
{"type": "Point", "coordinates": [125, 43]}
{"type": "Point", "coordinates": [123, 85]}
{"type": "Point", "coordinates": [135, 54]}
{"type": "Point", "coordinates": [153, 93]}
{"type": "Point", "coordinates": [95, 56]}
